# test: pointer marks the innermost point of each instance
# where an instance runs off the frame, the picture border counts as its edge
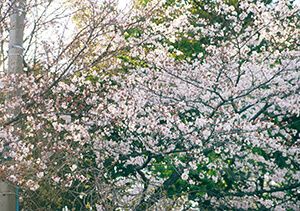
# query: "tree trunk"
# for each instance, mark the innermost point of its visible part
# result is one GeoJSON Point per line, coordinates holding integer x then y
{"type": "Point", "coordinates": [7, 197]}
{"type": "Point", "coordinates": [15, 66]}
{"type": "Point", "coordinates": [15, 51]}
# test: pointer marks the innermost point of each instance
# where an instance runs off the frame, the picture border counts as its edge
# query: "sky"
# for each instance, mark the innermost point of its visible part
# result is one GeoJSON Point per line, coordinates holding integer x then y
{"type": "Point", "coordinates": [123, 4]}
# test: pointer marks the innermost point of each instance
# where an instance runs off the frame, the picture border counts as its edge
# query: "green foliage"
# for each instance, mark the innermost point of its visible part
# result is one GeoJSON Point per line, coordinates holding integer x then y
{"type": "Point", "coordinates": [178, 188]}
{"type": "Point", "coordinates": [132, 61]}
{"type": "Point", "coordinates": [260, 151]}
{"type": "Point", "coordinates": [189, 47]}
{"type": "Point", "coordinates": [142, 2]}
{"type": "Point", "coordinates": [133, 32]}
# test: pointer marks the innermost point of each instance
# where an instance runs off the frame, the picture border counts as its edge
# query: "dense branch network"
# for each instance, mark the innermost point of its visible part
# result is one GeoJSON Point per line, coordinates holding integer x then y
{"type": "Point", "coordinates": [183, 105]}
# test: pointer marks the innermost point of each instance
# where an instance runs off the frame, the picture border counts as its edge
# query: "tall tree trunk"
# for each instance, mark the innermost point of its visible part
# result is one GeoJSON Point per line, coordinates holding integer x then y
{"type": "Point", "coordinates": [8, 197]}
{"type": "Point", "coordinates": [15, 52]}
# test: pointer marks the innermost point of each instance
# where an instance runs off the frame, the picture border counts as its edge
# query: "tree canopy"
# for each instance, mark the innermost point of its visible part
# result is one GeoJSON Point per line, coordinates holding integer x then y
{"type": "Point", "coordinates": [172, 105]}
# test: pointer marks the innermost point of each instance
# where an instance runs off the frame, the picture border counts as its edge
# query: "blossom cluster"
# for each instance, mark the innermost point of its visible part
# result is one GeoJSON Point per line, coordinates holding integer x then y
{"type": "Point", "coordinates": [198, 109]}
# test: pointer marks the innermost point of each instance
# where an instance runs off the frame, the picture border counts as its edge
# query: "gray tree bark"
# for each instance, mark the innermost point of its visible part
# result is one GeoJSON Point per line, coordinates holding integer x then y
{"type": "Point", "coordinates": [8, 199]}
{"type": "Point", "coordinates": [15, 51]}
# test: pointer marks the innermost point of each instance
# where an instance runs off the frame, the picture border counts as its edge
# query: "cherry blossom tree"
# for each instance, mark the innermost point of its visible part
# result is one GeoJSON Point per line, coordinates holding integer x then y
{"type": "Point", "coordinates": [217, 129]}
{"type": "Point", "coordinates": [177, 105]}
{"type": "Point", "coordinates": [55, 166]}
